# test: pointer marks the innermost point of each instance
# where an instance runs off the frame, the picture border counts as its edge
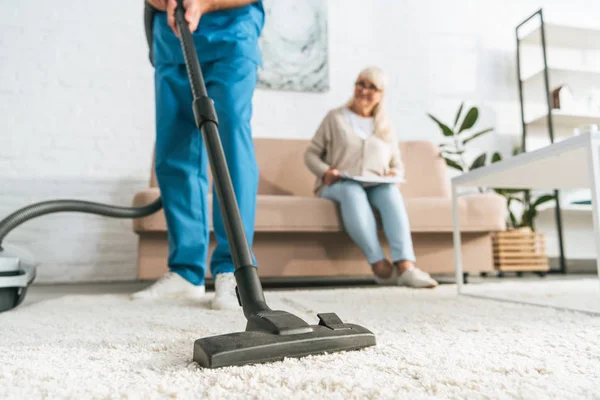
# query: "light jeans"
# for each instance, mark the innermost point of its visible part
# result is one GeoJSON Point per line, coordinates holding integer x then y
{"type": "Point", "coordinates": [355, 202]}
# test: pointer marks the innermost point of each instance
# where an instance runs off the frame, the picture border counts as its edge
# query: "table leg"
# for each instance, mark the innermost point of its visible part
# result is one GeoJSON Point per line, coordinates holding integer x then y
{"type": "Point", "coordinates": [457, 244]}
{"type": "Point", "coordinates": [595, 186]}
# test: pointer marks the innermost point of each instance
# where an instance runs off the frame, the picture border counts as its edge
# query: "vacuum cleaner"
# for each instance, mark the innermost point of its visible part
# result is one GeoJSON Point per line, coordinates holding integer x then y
{"type": "Point", "coordinates": [270, 335]}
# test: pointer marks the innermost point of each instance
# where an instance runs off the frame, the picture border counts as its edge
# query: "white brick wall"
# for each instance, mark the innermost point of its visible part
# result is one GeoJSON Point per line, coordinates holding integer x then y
{"type": "Point", "coordinates": [74, 247]}
{"type": "Point", "coordinates": [76, 88]}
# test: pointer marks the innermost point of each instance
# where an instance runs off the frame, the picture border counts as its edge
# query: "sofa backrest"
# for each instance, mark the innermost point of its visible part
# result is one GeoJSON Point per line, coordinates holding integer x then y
{"type": "Point", "coordinates": [281, 164]}
{"type": "Point", "coordinates": [426, 171]}
{"type": "Point", "coordinates": [282, 169]}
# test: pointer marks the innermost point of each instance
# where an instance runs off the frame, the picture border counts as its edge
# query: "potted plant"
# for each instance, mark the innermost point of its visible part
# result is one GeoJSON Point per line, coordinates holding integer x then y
{"type": "Point", "coordinates": [456, 138]}
{"type": "Point", "coordinates": [522, 198]}
{"type": "Point", "coordinates": [520, 248]}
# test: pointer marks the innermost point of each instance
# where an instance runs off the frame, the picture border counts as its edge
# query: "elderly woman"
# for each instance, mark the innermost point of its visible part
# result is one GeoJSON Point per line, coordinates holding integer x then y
{"type": "Point", "coordinates": [356, 139]}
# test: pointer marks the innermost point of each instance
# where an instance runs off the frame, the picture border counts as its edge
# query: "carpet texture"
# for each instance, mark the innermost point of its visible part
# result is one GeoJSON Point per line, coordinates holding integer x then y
{"type": "Point", "coordinates": [573, 294]}
{"type": "Point", "coordinates": [431, 344]}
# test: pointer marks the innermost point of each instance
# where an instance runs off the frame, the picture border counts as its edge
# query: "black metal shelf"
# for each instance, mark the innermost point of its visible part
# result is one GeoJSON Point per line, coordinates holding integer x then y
{"type": "Point", "coordinates": [550, 126]}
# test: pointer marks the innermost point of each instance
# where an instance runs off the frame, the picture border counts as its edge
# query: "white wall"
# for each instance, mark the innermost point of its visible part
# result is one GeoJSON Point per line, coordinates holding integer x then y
{"type": "Point", "coordinates": [76, 88]}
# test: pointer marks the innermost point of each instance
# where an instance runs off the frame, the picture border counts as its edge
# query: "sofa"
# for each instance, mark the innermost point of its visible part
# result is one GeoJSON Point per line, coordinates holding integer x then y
{"type": "Point", "coordinates": [298, 235]}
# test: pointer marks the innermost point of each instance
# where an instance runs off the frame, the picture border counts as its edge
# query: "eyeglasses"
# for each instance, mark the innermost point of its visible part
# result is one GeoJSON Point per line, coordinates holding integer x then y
{"type": "Point", "coordinates": [367, 86]}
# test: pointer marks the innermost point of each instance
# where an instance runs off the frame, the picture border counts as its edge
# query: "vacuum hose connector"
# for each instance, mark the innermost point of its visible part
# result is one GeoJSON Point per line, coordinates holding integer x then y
{"type": "Point", "coordinates": [53, 206]}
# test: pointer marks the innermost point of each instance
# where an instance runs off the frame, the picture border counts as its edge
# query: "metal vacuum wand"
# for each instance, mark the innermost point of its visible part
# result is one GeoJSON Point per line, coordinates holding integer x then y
{"type": "Point", "coordinates": [250, 293]}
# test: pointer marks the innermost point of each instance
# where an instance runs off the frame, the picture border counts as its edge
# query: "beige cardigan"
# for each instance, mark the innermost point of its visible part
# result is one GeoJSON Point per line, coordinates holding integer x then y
{"type": "Point", "coordinates": [336, 145]}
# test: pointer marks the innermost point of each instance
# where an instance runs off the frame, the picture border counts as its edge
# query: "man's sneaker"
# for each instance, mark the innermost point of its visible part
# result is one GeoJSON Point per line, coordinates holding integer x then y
{"type": "Point", "coordinates": [414, 277]}
{"type": "Point", "coordinates": [171, 285]}
{"type": "Point", "coordinates": [225, 297]}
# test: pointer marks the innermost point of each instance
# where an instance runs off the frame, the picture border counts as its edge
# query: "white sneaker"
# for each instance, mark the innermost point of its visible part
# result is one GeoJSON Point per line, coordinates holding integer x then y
{"type": "Point", "coordinates": [392, 280]}
{"type": "Point", "coordinates": [171, 285]}
{"type": "Point", "coordinates": [414, 277]}
{"type": "Point", "coordinates": [225, 297]}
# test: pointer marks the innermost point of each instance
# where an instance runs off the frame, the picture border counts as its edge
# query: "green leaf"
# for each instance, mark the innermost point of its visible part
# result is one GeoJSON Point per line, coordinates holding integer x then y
{"type": "Point", "coordinates": [529, 217]}
{"type": "Point", "coordinates": [458, 114]}
{"type": "Point", "coordinates": [467, 140]}
{"type": "Point", "coordinates": [445, 129]}
{"type": "Point", "coordinates": [453, 164]}
{"type": "Point", "coordinates": [513, 219]}
{"type": "Point", "coordinates": [525, 219]}
{"type": "Point", "coordinates": [543, 199]}
{"type": "Point", "coordinates": [496, 157]}
{"type": "Point", "coordinates": [447, 147]}
{"type": "Point", "coordinates": [454, 151]}
{"type": "Point", "coordinates": [479, 161]}
{"type": "Point", "coordinates": [508, 192]}
{"type": "Point", "coordinates": [470, 119]}
{"type": "Point", "coordinates": [513, 191]}
{"type": "Point", "coordinates": [511, 214]}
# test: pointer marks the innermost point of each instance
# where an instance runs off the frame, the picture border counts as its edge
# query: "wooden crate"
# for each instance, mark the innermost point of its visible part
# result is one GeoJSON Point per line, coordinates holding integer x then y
{"type": "Point", "coordinates": [520, 250]}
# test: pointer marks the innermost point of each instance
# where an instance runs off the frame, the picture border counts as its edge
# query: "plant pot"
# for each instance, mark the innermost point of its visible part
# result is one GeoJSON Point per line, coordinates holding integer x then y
{"type": "Point", "coordinates": [520, 250]}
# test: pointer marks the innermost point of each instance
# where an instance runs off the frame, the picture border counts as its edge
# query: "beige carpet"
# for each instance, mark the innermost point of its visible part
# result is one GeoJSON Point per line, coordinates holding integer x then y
{"type": "Point", "coordinates": [431, 344]}
{"type": "Point", "coordinates": [572, 294]}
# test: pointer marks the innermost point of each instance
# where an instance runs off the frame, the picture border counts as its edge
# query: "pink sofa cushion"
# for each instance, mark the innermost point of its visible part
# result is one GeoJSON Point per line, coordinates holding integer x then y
{"type": "Point", "coordinates": [310, 214]}
{"type": "Point", "coordinates": [283, 172]}
{"type": "Point", "coordinates": [273, 214]}
{"type": "Point", "coordinates": [486, 211]}
{"type": "Point", "coordinates": [476, 213]}
{"type": "Point", "coordinates": [426, 171]}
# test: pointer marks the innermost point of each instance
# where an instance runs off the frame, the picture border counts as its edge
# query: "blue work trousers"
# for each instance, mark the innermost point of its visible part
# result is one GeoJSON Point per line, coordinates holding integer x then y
{"type": "Point", "coordinates": [182, 161]}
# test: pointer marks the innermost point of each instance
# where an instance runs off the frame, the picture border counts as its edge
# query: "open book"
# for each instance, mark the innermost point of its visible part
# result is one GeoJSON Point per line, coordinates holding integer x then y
{"type": "Point", "coordinates": [373, 179]}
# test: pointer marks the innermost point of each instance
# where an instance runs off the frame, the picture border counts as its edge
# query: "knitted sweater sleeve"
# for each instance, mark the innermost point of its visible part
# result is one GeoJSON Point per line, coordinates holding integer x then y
{"type": "Point", "coordinates": [316, 152]}
{"type": "Point", "coordinates": [396, 164]}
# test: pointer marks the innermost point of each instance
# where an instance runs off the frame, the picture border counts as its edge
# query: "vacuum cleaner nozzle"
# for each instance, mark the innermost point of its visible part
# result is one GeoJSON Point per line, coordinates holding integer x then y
{"type": "Point", "coordinates": [276, 335]}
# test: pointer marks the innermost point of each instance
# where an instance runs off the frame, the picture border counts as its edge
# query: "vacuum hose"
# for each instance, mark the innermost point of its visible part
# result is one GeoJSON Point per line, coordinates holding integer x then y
{"type": "Point", "coordinates": [53, 206]}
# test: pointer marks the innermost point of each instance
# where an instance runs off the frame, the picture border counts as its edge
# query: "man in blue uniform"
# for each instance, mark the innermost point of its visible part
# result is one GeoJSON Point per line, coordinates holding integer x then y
{"type": "Point", "coordinates": [226, 36]}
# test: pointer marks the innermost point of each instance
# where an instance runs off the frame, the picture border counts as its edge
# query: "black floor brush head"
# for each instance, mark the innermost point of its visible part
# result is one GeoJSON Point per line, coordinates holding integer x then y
{"type": "Point", "coordinates": [255, 347]}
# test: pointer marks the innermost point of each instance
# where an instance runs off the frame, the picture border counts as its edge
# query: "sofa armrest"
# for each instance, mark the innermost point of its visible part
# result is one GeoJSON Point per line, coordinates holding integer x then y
{"type": "Point", "coordinates": [486, 211]}
{"type": "Point", "coordinates": [151, 223]}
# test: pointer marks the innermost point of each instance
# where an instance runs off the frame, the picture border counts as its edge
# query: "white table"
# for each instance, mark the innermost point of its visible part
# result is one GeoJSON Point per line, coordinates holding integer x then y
{"type": "Point", "coordinates": [573, 163]}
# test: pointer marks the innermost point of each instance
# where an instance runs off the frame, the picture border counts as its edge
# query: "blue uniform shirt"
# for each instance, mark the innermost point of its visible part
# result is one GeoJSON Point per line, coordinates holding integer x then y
{"type": "Point", "coordinates": [220, 34]}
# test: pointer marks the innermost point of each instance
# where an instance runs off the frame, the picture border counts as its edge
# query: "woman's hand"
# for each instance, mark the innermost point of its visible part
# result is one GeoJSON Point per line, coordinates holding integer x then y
{"type": "Point", "coordinates": [391, 173]}
{"type": "Point", "coordinates": [331, 176]}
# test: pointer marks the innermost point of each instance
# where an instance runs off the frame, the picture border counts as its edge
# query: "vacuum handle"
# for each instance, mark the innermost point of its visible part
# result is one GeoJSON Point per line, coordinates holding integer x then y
{"type": "Point", "coordinates": [250, 290]}
{"type": "Point", "coordinates": [189, 52]}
